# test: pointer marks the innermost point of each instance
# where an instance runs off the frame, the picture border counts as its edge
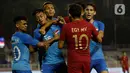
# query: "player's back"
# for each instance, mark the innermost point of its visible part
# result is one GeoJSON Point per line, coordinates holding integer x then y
{"type": "Point", "coordinates": [20, 52]}
{"type": "Point", "coordinates": [78, 38]}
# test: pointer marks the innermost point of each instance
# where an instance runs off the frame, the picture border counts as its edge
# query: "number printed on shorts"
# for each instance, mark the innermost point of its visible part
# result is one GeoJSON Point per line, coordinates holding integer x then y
{"type": "Point", "coordinates": [17, 53]}
{"type": "Point", "coordinates": [78, 41]}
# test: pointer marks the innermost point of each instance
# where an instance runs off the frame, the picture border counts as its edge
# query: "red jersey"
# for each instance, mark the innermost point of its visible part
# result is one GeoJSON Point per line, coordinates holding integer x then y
{"type": "Point", "coordinates": [124, 60]}
{"type": "Point", "coordinates": [77, 34]}
{"type": "Point", "coordinates": [67, 19]}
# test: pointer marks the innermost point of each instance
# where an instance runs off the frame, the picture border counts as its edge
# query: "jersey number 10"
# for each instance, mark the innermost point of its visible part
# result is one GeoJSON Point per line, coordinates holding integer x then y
{"type": "Point", "coordinates": [78, 41]}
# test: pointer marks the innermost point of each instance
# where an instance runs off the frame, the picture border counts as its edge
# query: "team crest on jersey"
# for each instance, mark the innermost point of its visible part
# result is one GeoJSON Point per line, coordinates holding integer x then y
{"type": "Point", "coordinates": [46, 37]}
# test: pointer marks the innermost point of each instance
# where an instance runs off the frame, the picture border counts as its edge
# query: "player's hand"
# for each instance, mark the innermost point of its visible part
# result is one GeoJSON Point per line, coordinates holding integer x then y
{"type": "Point", "coordinates": [46, 45]}
{"type": "Point", "coordinates": [61, 20]}
{"type": "Point", "coordinates": [56, 36]}
{"type": "Point", "coordinates": [43, 44]}
{"type": "Point", "coordinates": [42, 30]}
{"type": "Point", "coordinates": [99, 37]}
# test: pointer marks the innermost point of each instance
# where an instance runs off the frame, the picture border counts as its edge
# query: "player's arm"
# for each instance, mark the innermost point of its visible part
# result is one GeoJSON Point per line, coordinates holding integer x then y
{"type": "Point", "coordinates": [101, 28]}
{"type": "Point", "coordinates": [55, 38]}
{"type": "Point", "coordinates": [37, 35]}
{"type": "Point", "coordinates": [27, 39]}
{"type": "Point", "coordinates": [96, 34]}
{"type": "Point", "coordinates": [62, 38]}
{"type": "Point", "coordinates": [49, 23]}
{"type": "Point", "coordinates": [60, 44]}
{"type": "Point", "coordinates": [61, 20]}
{"type": "Point", "coordinates": [101, 33]}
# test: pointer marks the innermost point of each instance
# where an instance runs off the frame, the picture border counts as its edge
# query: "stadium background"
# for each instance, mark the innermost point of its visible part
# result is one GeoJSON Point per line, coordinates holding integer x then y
{"type": "Point", "coordinates": [117, 29]}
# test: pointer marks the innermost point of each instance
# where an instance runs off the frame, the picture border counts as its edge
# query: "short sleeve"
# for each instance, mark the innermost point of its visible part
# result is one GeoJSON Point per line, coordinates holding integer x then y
{"type": "Point", "coordinates": [94, 32]}
{"type": "Point", "coordinates": [63, 33]}
{"type": "Point", "coordinates": [101, 26]}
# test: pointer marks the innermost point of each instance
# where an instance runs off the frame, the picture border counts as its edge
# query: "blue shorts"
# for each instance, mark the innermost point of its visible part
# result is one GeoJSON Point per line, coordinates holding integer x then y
{"type": "Point", "coordinates": [99, 65]}
{"type": "Point", "coordinates": [52, 68]}
{"type": "Point", "coordinates": [21, 71]}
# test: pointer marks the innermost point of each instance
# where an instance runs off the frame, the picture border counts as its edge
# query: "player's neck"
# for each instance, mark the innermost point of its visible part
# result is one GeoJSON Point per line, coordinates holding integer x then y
{"type": "Point", "coordinates": [91, 21]}
{"type": "Point", "coordinates": [75, 19]}
{"type": "Point", "coordinates": [20, 31]}
{"type": "Point", "coordinates": [49, 18]}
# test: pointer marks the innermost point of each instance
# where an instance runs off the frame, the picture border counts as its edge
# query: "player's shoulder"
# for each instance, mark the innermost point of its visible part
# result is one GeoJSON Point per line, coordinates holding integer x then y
{"type": "Point", "coordinates": [36, 30]}
{"type": "Point", "coordinates": [98, 22]}
{"type": "Point", "coordinates": [23, 35]}
{"type": "Point", "coordinates": [85, 22]}
{"type": "Point", "coordinates": [20, 35]}
{"type": "Point", "coordinates": [38, 25]}
{"type": "Point", "coordinates": [55, 27]}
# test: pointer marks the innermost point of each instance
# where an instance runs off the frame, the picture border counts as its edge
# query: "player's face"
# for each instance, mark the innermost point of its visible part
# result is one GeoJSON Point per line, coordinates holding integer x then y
{"type": "Point", "coordinates": [41, 18]}
{"type": "Point", "coordinates": [49, 10]}
{"type": "Point", "coordinates": [90, 12]}
{"type": "Point", "coordinates": [22, 25]}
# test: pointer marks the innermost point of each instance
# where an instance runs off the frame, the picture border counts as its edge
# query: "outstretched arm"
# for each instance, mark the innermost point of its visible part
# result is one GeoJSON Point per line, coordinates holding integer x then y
{"type": "Point", "coordinates": [49, 23]}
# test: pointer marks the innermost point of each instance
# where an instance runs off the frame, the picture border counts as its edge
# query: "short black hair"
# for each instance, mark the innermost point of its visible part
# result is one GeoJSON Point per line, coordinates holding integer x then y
{"type": "Point", "coordinates": [37, 11]}
{"type": "Point", "coordinates": [92, 4]}
{"type": "Point", "coordinates": [75, 10]}
{"type": "Point", "coordinates": [18, 18]}
{"type": "Point", "coordinates": [83, 5]}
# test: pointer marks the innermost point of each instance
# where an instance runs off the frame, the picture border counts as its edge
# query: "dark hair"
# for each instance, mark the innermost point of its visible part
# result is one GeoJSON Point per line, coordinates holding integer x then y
{"type": "Point", "coordinates": [45, 3]}
{"type": "Point", "coordinates": [37, 11]}
{"type": "Point", "coordinates": [18, 18]}
{"type": "Point", "coordinates": [75, 10]}
{"type": "Point", "coordinates": [82, 4]}
{"type": "Point", "coordinates": [93, 5]}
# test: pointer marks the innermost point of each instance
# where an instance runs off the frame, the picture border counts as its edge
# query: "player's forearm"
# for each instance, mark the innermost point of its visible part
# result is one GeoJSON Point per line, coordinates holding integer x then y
{"type": "Point", "coordinates": [101, 33]}
{"type": "Point", "coordinates": [42, 44]}
{"type": "Point", "coordinates": [50, 40]}
{"type": "Point", "coordinates": [49, 23]}
{"type": "Point", "coordinates": [60, 44]}
{"type": "Point", "coordinates": [99, 38]}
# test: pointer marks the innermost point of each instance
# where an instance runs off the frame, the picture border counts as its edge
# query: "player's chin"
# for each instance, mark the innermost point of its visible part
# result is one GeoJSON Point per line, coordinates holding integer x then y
{"type": "Point", "coordinates": [25, 29]}
{"type": "Point", "coordinates": [88, 17]}
{"type": "Point", "coordinates": [51, 14]}
{"type": "Point", "coordinates": [42, 23]}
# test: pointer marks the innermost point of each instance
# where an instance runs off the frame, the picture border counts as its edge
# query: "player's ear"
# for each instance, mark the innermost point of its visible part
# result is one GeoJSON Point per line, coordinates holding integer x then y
{"type": "Point", "coordinates": [95, 13]}
{"type": "Point", "coordinates": [82, 12]}
{"type": "Point", "coordinates": [17, 25]}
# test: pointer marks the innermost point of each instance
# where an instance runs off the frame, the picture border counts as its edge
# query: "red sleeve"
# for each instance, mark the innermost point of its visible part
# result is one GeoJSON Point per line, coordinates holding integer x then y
{"type": "Point", "coordinates": [94, 31]}
{"type": "Point", "coordinates": [67, 19]}
{"type": "Point", "coordinates": [62, 35]}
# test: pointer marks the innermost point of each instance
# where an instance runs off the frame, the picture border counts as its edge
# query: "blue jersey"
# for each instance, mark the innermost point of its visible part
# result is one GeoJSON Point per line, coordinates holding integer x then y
{"type": "Point", "coordinates": [96, 48]}
{"type": "Point", "coordinates": [37, 34]}
{"type": "Point", "coordinates": [20, 43]}
{"type": "Point", "coordinates": [53, 54]}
